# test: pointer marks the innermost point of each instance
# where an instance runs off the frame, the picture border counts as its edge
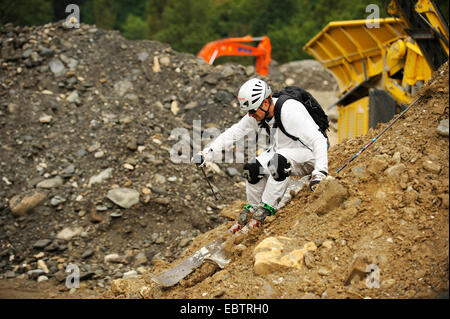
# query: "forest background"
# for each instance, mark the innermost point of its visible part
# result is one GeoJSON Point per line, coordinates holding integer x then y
{"type": "Point", "coordinates": [187, 25]}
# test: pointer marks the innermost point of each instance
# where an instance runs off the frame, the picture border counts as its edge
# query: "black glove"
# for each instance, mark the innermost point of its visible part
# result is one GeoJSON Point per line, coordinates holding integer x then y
{"type": "Point", "coordinates": [315, 180]}
{"type": "Point", "coordinates": [199, 160]}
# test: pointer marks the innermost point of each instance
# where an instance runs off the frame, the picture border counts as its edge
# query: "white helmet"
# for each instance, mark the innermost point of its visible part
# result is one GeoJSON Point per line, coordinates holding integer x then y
{"type": "Point", "coordinates": [252, 93]}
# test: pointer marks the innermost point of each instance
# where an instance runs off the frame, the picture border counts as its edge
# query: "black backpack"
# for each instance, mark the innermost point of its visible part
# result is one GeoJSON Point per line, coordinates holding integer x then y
{"type": "Point", "coordinates": [312, 106]}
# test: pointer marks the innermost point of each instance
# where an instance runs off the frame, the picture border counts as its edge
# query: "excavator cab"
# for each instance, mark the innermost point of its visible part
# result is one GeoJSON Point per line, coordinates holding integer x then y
{"type": "Point", "coordinates": [234, 46]}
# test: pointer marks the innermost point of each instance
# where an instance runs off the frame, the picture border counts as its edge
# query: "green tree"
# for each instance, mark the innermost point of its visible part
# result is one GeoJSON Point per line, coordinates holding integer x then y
{"type": "Point", "coordinates": [125, 8]}
{"type": "Point", "coordinates": [135, 28]}
{"type": "Point", "coordinates": [154, 10]}
{"type": "Point", "coordinates": [104, 13]}
{"type": "Point", "coordinates": [87, 12]}
{"type": "Point", "coordinates": [185, 25]}
{"type": "Point", "coordinates": [26, 12]}
{"type": "Point", "coordinates": [262, 14]}
{"type": "Point", "coordinates": [229, 19]}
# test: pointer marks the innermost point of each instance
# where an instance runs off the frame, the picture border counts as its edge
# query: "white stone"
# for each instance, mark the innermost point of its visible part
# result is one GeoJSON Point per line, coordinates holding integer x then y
{"type": "Point", "coordinates": [57, 67]}
{"type": "Point", "coordinates": [99, 154]}
{"type": "Point", "coordinates": [100, 177]}
{"type": "Point", "coordinates": [142, 56]}
{"type": "Point", "coordinates": [45, 119]}
{"type": "Point", "coordinates": [124, 197]}
{"type": "Point", "coordinates": [41, 265]}
{"type": "Point", "coordinates": [443, 129]}
{"type": "Point", "coordinates": [156, 141]}
{"type": "Point", "coordinates": [380, 195]}
{"type": "Point", "coordinates": [122, 87]}
{"type": "Point", "coordinates": [73, 97]}
{"type": "Point", "coordinates": [128, 166]}
{"type": "Point", "coordinates": [156, 67]}
{"type": "Point", "coordinates": [69, 232]}
{"type": "Point", "coordinates": [130, 274]}
{"type": "Point", "coordinates": [42, 278]}
{"type": "Point", "coordinates": [113, 258]}
{"type": "Point", "coordinates": [165, 61]}
{"type": "Point", "coordinates": [174, 108]}
{"type": "Point", "coordinates": [327, 244]}
{"type": "Point", "coordinates": [289, 81]}
{"type": "Point", "coordinates": [51, 183]}
{"type": "Point", "coordinates": [159, 179]}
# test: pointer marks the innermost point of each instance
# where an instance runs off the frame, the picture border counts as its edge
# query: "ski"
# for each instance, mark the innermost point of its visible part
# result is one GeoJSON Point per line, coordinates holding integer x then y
{"type": "Point", "coordinates": [214, 250]}
{"type": "Point", "coordinates": [210, 251]}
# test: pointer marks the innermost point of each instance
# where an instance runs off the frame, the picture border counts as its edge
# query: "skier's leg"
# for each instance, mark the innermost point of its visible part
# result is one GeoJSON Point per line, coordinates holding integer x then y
{"type": "Point", "coordinates": [256, 173]}
{"type": "Point", "coordinates": [283, 164]}
{"type": "Point", "coordinates": [256, 181]}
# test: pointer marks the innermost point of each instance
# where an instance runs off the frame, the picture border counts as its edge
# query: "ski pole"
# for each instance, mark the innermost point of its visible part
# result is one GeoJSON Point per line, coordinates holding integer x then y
{"type": "Point", "coordinates": [212, 190]}
{"type": "Point", "coordinates": [376, 137]}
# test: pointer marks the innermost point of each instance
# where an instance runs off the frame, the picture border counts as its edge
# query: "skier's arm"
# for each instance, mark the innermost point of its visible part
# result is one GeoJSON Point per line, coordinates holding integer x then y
{"type": "Point", "coordinates": [225, 140]}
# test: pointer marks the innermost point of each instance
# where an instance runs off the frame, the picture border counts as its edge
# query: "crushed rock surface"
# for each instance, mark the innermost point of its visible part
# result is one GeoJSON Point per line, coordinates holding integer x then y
{"type": "Point", "coordinates": [394, 218]}
{"type": "Point", "coordinates": [84, 111]}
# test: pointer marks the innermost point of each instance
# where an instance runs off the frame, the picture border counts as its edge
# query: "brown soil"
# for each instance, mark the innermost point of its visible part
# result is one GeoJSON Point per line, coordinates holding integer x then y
{"type": "Point", "coordinates": [395, 219]}
{"type": "Point", "coordinates": [121, 99]}
{"type": "Point", "coordinates": [391, 216]}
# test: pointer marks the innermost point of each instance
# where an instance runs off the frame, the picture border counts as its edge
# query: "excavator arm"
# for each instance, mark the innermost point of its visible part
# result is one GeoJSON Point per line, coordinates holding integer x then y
{"type": "Point", "coordinates": [234, 47]}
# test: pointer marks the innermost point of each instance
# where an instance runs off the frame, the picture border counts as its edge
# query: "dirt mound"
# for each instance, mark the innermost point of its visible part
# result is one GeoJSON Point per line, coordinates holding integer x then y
{"type": "Point", "coordinates": [308, 74]}
{"type": "Point", "coordinates": [84, 111]}
{"type": "Point", "coordinates": [384, 234]}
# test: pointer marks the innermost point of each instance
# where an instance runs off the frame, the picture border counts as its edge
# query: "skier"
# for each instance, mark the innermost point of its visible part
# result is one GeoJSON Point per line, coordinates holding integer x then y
{"type": "Point", "coordinates": [302, 151]}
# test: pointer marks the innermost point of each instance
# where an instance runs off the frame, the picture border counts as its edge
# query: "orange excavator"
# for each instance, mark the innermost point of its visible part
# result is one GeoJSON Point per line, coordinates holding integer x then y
{"type": "Point", "coordinates": [233, 46]}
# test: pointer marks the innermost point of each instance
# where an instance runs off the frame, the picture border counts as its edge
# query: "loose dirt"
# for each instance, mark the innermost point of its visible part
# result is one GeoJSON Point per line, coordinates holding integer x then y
{"type": "Point", "coordinates": [84, 104]}
{"type": "Point", "coordinates": [393, 219]}
{"type": "Point", "coordinates": [392, 215]}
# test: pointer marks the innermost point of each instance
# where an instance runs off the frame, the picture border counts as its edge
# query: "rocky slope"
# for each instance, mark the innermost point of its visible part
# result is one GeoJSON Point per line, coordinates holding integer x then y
{"type": "Point", "coordinates": [84, 112]}
{"type": "Point", "coordinates": [378, 229]}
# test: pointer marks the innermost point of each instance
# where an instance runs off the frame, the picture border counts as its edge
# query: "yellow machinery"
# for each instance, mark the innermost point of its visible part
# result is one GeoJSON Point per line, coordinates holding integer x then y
{"type": "Point", "coordinates": [380, 64]}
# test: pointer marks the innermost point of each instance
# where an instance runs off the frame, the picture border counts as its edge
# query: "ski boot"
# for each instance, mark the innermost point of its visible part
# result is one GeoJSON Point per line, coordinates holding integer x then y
{"type": "Point", "coordinates": [242, 219]}
{"type": "Point", "coordinates": [259, 215]}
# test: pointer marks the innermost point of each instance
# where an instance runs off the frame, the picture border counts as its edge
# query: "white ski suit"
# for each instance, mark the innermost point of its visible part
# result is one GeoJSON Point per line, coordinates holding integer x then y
{"type": "Point", "coordinates": [304, 159]}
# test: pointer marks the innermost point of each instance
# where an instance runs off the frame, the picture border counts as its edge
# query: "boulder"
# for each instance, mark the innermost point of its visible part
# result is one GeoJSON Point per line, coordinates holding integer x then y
{"type": "Point", "coordinates": [22, 203]}
{"type": "Point", "coordinates": [100, 177]}
{"type": "Point", "coordinates": [42, 243]}
{"type": "Point", "coordinates": [431, 166]}
{"type": "Point", "coordinates": [122, 87]}
{"type": "Point", "coordinates": [51, 183]}
{"type": "Point", "coordinates": [113, 258]}
{"type": "Point", "coordinates": [274, 254]}
{"type": "Point", "coordinates": [57, 67]}
{"type": "Point", "coordinates": [395, 171]}
{"type": "Point", "coordinates": [331, 195]}
{"type": "Point", "coordinates": [442, 128]}
{"type": "Point", "coordinates": [378, 164]}
{"type": "Point", "coordinates": [124, 197]}
{"type": "Point", "coordinates": [69, 232]}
